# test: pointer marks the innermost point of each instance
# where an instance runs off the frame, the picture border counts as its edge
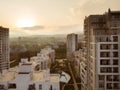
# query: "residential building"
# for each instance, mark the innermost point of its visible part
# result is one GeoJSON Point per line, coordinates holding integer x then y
{"type": "Point", "coordinates": [44, 58]}
{"type": "Point", "coordinates": [4, 48]}
{"type": "Point", "coordinates": [26, 77]}
{"type": "Point", "coordinates": [102, 40]}
{"type": "Point", "coordinates": [72, 45]}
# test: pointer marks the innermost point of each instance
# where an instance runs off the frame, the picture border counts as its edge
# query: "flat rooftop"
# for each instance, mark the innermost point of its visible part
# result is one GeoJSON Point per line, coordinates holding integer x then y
{"type": "Point", "coordinates": [11, 75]}
{"type": "Point", "coordinates": [38, 76]}
{"type": "Point", "coordinates": [7, 76]}
{"type": "Point", "coordinates": [54, 78]}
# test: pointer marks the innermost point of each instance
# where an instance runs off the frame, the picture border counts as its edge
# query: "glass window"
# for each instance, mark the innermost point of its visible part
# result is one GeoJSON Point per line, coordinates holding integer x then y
{"type": "Point", "coordinates": [116, 86]}
{"type": "Point", "coordinates": [2, 87]}
{"type": "Point", "coordinates": [40, 87]}
{"type": "Point", "coordinates": [106, 70]}
{"type": "Point", "coordinates": [115, 46]}
{"type": "Point", "coordinates": [104, 62]}
{"type": "Point", "coordinates": [11, 85]}
{"type": "Point", "coordinates": [115, 54]}
{"type": "Point", "coordinates": [101, 85]}
{"type": "Point", "coordinates": [109, 78]}
{"type": "Point", "coordinates": [116, 78]}
{"type": "Point", "coordinates": [109, 85]}
{"type": "Point", "coordinates": [115, 69]}
{"type": "Point", "coordinates": [115, 62]}
{"type": "Point", "coordinates": [104, 54]}
{"type": "Point", "coordinates": [101, 77]}
{"type": "Point", "coordinates": [115, 38]}
{"type": "Point", "coordinates": [105, 46]}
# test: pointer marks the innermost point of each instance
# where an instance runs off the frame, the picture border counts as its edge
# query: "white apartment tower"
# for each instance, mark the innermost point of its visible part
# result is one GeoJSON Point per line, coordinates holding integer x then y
{"type": "Point", "coordinates": [4, 48]}
{"type": "Point", "coordinates": [72, 45]}
{"type": "Point", "coordinates": [102, 40]}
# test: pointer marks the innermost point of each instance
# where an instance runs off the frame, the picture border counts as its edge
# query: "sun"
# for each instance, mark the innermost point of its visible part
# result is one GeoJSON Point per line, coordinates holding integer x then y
{"type": "Point", "coordinates": [25, 22]}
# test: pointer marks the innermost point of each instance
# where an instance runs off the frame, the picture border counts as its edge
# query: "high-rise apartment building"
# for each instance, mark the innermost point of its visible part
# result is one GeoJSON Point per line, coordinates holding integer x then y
{"type": "Point", "coordinates": [72, 45]}
{"type": "Point", "coordinates": [4, 48]}
{"type": "Point", "coordinates": [102, 40]}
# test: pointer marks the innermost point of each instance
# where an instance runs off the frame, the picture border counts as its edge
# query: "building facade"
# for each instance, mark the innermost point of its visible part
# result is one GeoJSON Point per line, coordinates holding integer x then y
{"type": "Point", "coordinates": [44, 59]}
{"type": "Point", "coordinates": [83, 71]}
{"type": "Point", "coordinates": [26, 77]}
{"type": "Point", "coordinates": [72, 45]}
{"type": "Point", "coordinates": [4, 48]}
{"type": "Point", "coordinates": [102, 43]}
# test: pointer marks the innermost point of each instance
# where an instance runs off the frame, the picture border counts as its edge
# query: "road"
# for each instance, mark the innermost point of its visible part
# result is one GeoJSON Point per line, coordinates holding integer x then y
{"type": "Point", "coordinates": [74, 81]}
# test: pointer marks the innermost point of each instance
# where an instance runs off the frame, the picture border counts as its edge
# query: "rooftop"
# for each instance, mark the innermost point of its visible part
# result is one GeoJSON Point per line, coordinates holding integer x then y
{"type": "Point", "coordinates": [54, 77]}
{"type": "Point", "coordinates": [8, 75]}
{"type": "Point", "coordinates": [38, 76]}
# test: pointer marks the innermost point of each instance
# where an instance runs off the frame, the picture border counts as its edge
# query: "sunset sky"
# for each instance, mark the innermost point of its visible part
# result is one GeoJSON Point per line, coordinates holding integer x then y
{"type": "Point", "coordinates": [50, 16]}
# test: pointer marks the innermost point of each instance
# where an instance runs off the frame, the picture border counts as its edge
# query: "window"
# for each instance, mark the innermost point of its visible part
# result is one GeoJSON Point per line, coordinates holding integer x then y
{"type": "Point", "coordinates": [109, 78]}
{"type": "Point", "coordinates": [116, 86]}
{"type": "Point", "coordinates": [2, 87]}
{"type": "Point", "coordinates": [101, 77]}
{"type": "Point", "coordinates": [101, 85]}
{"type": "Point", "coordinates": [11, 85]}
{"type": "Point", "coordinates": [115, 38]}
{"type": "Point", "coordinates": [115, 54]}
{"type": "Point", "coordinates": [116, 78]}
{"type": "Point", "coordinates": [104, 62]}
{"type": "Point", "coordinates": [115, 69]}
{"type": "Point", "coordinates": [109, 85]}
{"type": "Point", "coordinates": [105, 46]}
{"type": "Point", "coordinates": [115, 46]}
{"type": "Point", "coordinates": [31, 87]}
{"type": "Point", "coordinates": [115, 62]}
{"type": "Point", "coordinates": [106, 70]}
{"type": "Point", "coordinates": [104, 54]}
{"type": "Point", "coordinates": [40, 87]}
{"type": "Point", "coordinates": [51, 87]}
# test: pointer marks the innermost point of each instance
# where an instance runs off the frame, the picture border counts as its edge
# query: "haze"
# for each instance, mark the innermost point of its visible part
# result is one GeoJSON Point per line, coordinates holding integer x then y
{"type": "Point", "coordinates": [54, 16]}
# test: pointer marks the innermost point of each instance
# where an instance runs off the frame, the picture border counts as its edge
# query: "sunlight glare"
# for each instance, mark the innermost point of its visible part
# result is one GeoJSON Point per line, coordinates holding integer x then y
{"type": "Point", "coordinates": [25, 22]}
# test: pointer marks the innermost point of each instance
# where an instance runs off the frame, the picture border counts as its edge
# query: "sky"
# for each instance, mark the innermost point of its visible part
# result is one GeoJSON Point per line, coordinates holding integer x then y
{"type": "Point", "coordinates": [50, 16]}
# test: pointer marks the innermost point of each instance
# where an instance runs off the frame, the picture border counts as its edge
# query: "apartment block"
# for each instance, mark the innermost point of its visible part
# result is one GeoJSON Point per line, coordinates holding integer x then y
{"type": "Point", "coordinates": [4, 48]}
{"type": "Point", "coordinates": [26, 77]}
{"type": "Point", "coordinates": [44, 59]}
{"type": "Point", "coordinates": [102, 44]}
{"type": "Point", "coordinates": [72, 45]}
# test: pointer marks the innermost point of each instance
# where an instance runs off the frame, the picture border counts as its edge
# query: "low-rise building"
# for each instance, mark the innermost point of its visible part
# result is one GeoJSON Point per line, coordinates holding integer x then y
{"type": "Point", "coordinates": [25, 77]}
{"type": "Point", "coordinates": [44, 58]}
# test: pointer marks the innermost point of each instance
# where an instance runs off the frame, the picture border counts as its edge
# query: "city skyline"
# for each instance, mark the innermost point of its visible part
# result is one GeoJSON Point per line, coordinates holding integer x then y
{"type": "Point", "coordinates": [66, 62]}
{"type": "Point", "coordinates": [50, 17]}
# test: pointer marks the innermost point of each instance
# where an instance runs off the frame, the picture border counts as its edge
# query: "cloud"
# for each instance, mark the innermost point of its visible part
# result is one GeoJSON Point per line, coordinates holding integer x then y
{"type": "Point", "coordinates": [33, 28]}
{"type": "Point", "coordinates": [47, 30]}
{"type": "Point", "coordinates": [48, 27]}
{"type": "Point", "coordinates": [87, 7]}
